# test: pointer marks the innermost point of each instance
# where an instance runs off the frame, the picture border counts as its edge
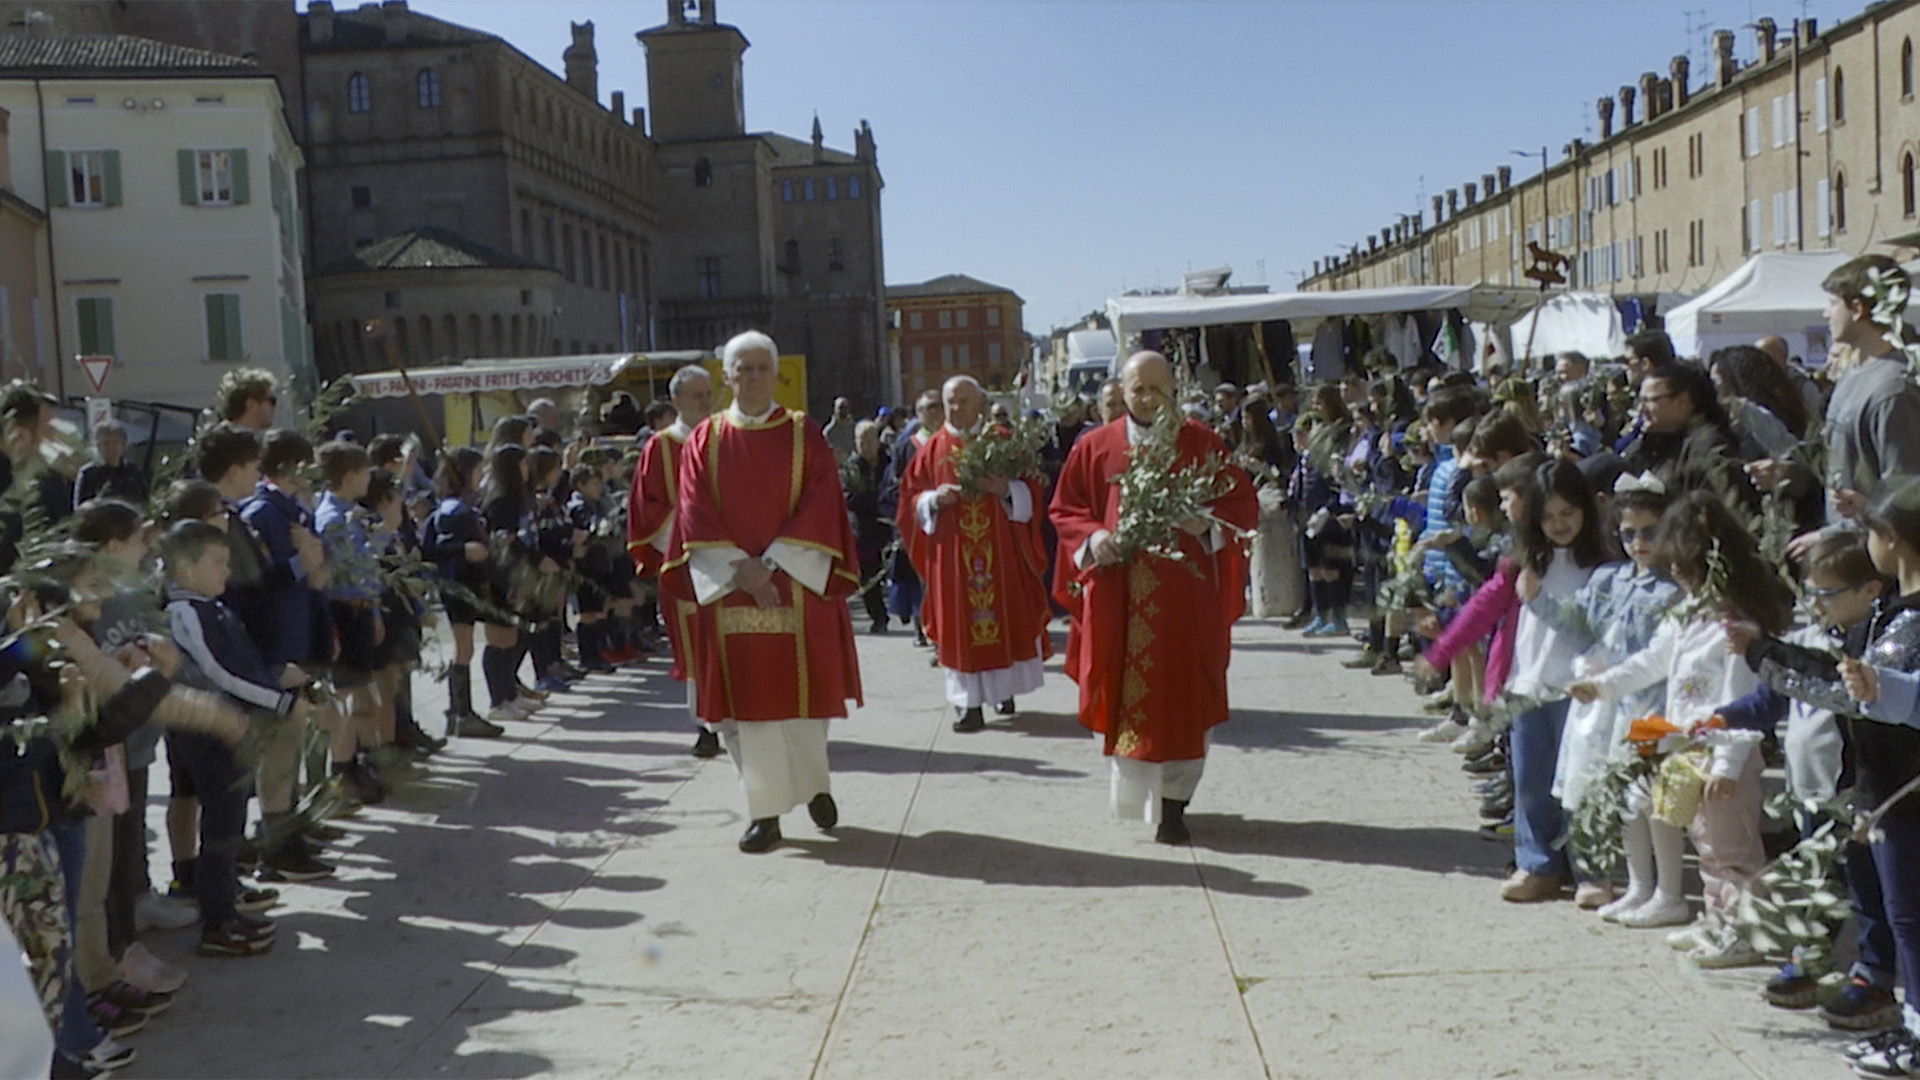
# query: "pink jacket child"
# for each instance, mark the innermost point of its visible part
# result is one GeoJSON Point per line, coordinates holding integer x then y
{"type": "Point", "coordinates": [1493, 609]}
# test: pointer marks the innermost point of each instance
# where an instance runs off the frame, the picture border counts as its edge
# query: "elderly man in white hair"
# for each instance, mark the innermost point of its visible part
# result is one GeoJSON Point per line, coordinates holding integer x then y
{"type": "Point", "coordinates": [979, 548]}
{"type": "Point", "coordinates": [650, 514]}
{"type": "Point", "coordinates": [760, 542]}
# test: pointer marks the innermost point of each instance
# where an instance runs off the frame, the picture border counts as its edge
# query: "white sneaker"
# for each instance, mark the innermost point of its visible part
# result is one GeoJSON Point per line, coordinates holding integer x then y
{"type": "Point", "coordinates": [1443, 732]}
{"type": "Point", "coordinates": [152, 910]}
{"type": "Point", "coordinates": [512, 710]}
{"type": "Point", "coordinates": [149, 972]}
{"type": "Point", "coordinates": [1624, 904]}
{"type": "Point", "coordinates": [1727, 948]}
{"type": "Point", "coordinates": [1657, 912]}
{"type": "Point", "coordinates": [1473, 740]}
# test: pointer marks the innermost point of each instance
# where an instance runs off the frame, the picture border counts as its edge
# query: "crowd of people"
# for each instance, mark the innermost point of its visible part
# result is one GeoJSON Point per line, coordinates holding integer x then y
{"type": "Point", "coordinates": [260, 616]}
{"type": "Point", "coordinates": [1625, 587]}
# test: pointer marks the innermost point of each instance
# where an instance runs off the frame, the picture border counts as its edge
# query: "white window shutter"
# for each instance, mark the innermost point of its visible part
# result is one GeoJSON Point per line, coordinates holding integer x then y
{"type": "Point", "coordinates": [1779, 122]}
{"type": "Point", "coordinates": [1819, 104]}
{"type": "Point", "coordinates": [1753, 131]}
{"type": "Point", "coordinates": [1823, 208]}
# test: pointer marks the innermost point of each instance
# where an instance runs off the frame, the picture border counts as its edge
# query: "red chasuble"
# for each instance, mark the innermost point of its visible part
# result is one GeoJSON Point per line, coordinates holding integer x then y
{"type": "Point", "coordinates": [650, 505]}
{"type": "Point", "coordinates": [747, 485]}
{"type": "Point", "coordinates": [1151, 638]}
{"type": "Point", "coordinates": [650, 511]}
{"type": "Point", "coordinates": [986, 603]}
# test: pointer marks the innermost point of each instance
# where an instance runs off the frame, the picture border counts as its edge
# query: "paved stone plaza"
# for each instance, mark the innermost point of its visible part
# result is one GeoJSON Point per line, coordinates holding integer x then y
{"type": "Point", "coordinates": [568, 901]}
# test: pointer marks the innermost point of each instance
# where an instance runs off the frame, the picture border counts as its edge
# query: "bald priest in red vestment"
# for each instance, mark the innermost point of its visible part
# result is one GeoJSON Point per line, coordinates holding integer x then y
{"type": "Point", "coordinates": [984, 561]}
{"type": "Point", "coordinates": [1151, 636]}
{"type": "Point", "coordinates": [761, 543]}
{"type": "Point", "coordinates": [650, 515]}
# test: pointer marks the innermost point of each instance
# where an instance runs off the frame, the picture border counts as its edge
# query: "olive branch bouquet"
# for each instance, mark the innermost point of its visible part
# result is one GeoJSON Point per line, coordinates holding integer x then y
{"type": "Point", "coordinates": [1157, 498]}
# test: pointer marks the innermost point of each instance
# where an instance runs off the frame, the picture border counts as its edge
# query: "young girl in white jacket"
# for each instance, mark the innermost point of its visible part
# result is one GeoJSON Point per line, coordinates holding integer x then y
{"type": "Point", "coordinates": [1712, 558]}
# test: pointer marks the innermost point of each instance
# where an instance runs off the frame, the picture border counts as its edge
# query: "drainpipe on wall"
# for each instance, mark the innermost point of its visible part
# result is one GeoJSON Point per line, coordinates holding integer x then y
{"type": "Point", "coordinates": [53, 270]}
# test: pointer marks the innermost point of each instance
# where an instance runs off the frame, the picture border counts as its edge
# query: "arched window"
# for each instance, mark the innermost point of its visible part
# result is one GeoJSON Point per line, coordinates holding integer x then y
{"type": "Point", "coordinates": [1906, 68]}
{"type": "Point", "coordinates": [703, 173]}
{"type": "Point", "coordinates": [359, 96]}
{"type": "Point", "coordinates": [428, 83]}
{"type": "Point", "coordinates": [1840, 201]}
{"type": "Point", "coordinates": [1839, 96]}
{"type": "Point", "coordinates": [1906, 184]}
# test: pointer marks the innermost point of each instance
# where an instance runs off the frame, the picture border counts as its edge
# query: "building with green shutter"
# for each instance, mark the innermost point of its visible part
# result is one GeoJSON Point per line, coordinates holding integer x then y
{"type": "Point", "coordinates": [173, 240]}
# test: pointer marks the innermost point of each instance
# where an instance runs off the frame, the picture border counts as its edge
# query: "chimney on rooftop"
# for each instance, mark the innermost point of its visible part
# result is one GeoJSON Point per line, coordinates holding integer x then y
{"type": "Point", "coordinates": [1678, 69]}
{"type": "Point", "coordinates": [1649, 94]}
{"type": "Point", "coordinates": [708, 17]}
{"type": "Point", "coordinates": [1809, 31]}
{"type": "Point", "coordinates": [1627, 95]}
{"type": "Point", "coordinates": [582, 62]}
{"type": "Point", "coordinates": [1769, 34]}
{"type": "Point", "coordinates": [320, 22]}
{"type": "Point", "coordinates": [1506, 178]}
{"type": "Point", "coordinates": [676, 13]}
{"type": "Point", "coordinates": [617, 105]}
{"type": "Point", "coordinates": [1453, 205]}
{"type": "Point", "coordinates": [1439, 204]}
{"type": "Point", "coordinates": [1725, 67]}
{"type": "Point", "coordinates": [1605, 108]}
{"type": "Point", "coordinates": [1473, 192]}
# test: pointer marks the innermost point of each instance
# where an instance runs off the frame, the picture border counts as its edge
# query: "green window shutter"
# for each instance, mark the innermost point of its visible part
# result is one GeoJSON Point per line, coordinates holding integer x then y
{"type": "Point", "coordinates": [242, 187]}
{"type": "Point", "coordinates": [189, 179]}
{"type": "Point", "coordinates": [216, 328]}
{"type": "Point", "coordinates": [112, 160]}
{"type": "Point", "coordinates": [95, 315]}
{"type": "Point", "coordinates": [57, 181]}
{"type": "Point", "coordinates": [230, 314]}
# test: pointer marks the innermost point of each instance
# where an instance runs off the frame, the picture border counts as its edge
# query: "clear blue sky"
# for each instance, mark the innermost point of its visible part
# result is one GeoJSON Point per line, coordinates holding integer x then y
{"type": "Point", "coordinates": [1072, 150]}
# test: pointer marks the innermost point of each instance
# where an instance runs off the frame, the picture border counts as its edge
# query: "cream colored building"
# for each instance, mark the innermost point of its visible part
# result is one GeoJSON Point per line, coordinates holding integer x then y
{"type": "Point", "coordinates": [174, 231]}
{"type": "Point", "coordinates": [1810, 145]}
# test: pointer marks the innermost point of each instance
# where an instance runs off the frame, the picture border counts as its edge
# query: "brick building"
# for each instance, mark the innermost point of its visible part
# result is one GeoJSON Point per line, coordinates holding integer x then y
{"type": "Point", "coordinates": [955, 325]}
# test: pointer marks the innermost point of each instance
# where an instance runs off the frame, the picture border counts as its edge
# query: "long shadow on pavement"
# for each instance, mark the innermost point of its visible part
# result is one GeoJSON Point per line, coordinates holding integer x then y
{"type": "Point", "coordinates": [1273, 729]}
{"type": "Point", "coordinates": [1429, 850]}
{"type": "Point", "coordinates": [998, 860]}
{"type": "Point", "coordinates": [874, 758]}
{"type": "Point", "coordinates": [375, 980]}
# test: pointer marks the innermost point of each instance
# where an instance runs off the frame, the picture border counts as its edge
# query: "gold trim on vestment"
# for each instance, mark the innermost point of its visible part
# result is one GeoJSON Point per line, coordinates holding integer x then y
{"type": "Point", "coordinates": [1141, 583]}
{"type": "Point", "coordinates": [800, 645]}
{"type": "Point", "coordinates": [813, 544]}
{"type": "Point", "coordinates": [799, 474]}
{"type": "Point", "coordinates": [715, 424]}
{"type": "Point", "coordinates": [736, 619]}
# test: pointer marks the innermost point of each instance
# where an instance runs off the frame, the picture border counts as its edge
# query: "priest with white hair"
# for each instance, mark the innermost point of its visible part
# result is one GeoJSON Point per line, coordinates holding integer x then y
{"type": "Point", "coordinates": [761, 543]}
{"type": "Point", "coordinates": [980, 550]}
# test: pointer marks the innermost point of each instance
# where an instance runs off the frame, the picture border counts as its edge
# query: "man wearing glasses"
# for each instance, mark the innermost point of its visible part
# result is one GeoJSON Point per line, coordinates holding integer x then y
{"type": "Point", "coordinates": [248, 396]}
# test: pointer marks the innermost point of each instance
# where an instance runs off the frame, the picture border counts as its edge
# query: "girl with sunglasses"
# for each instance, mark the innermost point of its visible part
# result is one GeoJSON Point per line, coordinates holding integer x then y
{"type": "Point", "coordinates": [1618, 610]}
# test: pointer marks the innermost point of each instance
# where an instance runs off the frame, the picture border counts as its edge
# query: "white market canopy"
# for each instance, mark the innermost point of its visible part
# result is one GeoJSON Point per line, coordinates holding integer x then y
{"type": "Point", "coordinates": [530, 375]}
{"type": "Point", "coordinates": [1773, 293]}
{"type": "Point", "coordinates": [1133, 314]}
{"type": "Point", "coordinates": [1581, 322]}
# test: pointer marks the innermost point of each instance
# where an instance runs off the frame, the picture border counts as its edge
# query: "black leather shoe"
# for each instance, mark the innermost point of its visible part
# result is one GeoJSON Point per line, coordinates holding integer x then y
{"type": "Point", "coordinates": [824, 811]}
{"type": "Point", "coordinates": [970, 720]}
{"type": "Point", "coordinates": [707, 745]}
{"type": "Point", "coordinates": [760, 836]}
{"type": "Point", "coordinates": [1173, 823]}
{"type": "Point", "coordinates": [1005, 708]}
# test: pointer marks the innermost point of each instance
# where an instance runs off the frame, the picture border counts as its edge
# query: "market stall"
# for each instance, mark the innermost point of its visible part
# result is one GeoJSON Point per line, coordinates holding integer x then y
{"type": "Point", "coordinates": [1772, 293]}
{"type": "Point", "coordinates": [463, 400]}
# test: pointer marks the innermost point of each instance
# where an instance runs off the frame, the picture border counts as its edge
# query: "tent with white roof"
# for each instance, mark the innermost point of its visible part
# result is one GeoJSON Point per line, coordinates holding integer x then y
{"type": "Point", "coordinates": [1773, 293]}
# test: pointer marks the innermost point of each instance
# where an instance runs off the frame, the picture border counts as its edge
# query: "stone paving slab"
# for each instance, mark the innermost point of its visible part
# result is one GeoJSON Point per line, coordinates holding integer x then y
{"type": "Point", "coordinates": [570, 903]}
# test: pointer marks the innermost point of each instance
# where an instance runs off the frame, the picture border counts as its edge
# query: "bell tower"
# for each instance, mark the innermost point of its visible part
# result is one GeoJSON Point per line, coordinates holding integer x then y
{"type": "Point", "coordinates": [694, 84]}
